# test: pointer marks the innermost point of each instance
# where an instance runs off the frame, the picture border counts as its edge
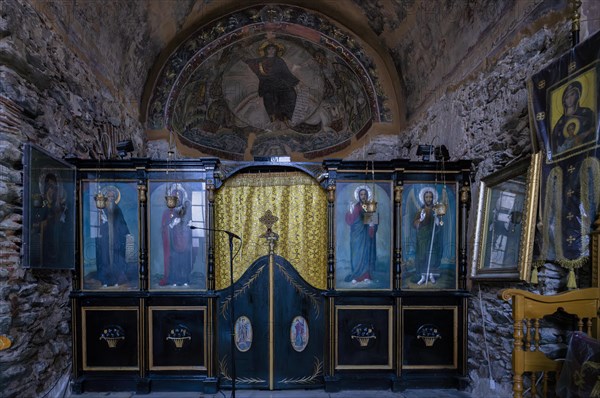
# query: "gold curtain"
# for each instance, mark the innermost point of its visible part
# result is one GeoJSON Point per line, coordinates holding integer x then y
{"type": "Point", "coordinates": [300, 205]}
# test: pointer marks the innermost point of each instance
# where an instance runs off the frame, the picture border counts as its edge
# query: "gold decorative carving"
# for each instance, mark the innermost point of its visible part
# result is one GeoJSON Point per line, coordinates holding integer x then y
{"type": "Point", "coordinates": [142, 193]}
{"type": "Point", "coordinates": [575, 18]}
{"type": "Point", "coordinates": [241, 290]}
{"type": "Point", "coordinates": [572, 67]}
{"type": "Point", "coordinates": [464, 193]}
{"type": "Point", "coordinates": [398, 193]}
{"type": "Point", "coordinates": [331, 193]}
{"type": "Point", "coordinates": [211, 192]}
{"type": "Point", "coordinates": [225, 373]}
{"type": "Point", "coordinates": [300, 289]}
{"type": "Point", "coordinates": [317, 371]}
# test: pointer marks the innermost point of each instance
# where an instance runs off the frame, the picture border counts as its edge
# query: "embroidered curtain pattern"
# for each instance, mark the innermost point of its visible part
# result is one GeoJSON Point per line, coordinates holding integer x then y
{"type": "Point", "coordinates": [300, 205]}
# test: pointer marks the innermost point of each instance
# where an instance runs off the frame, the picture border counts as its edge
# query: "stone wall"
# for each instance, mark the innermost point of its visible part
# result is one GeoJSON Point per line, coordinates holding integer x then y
{"type": "Point", "coordinates": [51, 96]}
{"type": "Point", "coordinates": [485, 118]}
{"type": "Point", "coordinates": [65, 88]}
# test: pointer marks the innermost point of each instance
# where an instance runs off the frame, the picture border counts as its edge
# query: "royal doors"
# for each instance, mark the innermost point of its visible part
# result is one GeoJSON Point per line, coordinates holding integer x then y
{"type": "Point", "coordinates": [278, 328]}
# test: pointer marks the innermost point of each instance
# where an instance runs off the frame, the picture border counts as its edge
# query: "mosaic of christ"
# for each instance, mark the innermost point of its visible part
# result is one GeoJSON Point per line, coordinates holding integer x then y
{"type": "Point", "coordinates": [271, 96]}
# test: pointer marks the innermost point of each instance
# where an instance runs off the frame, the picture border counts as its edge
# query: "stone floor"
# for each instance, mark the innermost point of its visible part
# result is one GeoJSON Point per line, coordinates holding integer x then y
{"type": "Point", "coordinates": [437, 393]}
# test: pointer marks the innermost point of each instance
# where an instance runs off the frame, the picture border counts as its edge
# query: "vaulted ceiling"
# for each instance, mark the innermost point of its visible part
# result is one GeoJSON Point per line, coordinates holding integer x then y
{"type": "Point", "coordinates": [411, 49]}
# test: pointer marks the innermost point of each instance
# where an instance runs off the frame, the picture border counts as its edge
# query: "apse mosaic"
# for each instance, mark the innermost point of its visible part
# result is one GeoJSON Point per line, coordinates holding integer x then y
{"type": "Point", "coordinates": [270, 81]}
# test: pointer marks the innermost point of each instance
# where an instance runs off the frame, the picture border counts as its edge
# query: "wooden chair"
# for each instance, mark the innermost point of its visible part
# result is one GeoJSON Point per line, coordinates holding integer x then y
{"type": "Point", "coordinates": [527, 311]}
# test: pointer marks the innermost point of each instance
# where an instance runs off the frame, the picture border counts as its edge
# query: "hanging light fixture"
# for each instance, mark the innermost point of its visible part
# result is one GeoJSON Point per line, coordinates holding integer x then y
{"type": "Point", "coordinates": [100, 198]}
{"type": "Point", "coordinates": [170, 197]}
{"type": "Point", "coordinates": [441, 206]}
{"type": "Point", "coordinates": [371, 206]}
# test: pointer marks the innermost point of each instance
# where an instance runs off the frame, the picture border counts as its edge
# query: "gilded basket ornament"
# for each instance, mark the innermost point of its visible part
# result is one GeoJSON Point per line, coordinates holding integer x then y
{"type": "Point", "coordinates": [178, 335]}
{"type": "Point", "coordinates": [364, 341]}
{"type": "Point", "coordinates": [112, 341]}
{"type": "Point", "coordinates": [363, 334]}
{"type": "Point", "coordinates": [429, 340]}
{"type": "Point", "coordinates": [178, 341]}
{"type": "Point", "coordinates": [429, 334]}
{"type": "Point", "coordinates": [112, 335]}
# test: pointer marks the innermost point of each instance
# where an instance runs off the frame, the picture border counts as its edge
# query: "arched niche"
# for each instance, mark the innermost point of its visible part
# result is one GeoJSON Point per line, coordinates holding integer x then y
{"type": "Point", "coordinates": [271, 80]}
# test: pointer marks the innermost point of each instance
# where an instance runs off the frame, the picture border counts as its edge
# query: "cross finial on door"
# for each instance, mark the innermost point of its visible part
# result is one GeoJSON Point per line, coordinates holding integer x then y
{"type": "Point", "coordinates": [269, 219]}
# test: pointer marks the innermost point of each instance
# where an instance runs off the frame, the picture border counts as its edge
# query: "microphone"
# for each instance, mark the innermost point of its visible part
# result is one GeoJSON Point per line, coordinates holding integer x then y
{"type": "Point", "coordinates": [231, 234]}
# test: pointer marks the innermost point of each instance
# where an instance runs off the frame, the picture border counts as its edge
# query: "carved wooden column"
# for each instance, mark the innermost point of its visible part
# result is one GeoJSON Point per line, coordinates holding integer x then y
{"type": "Point", "coordinates": [143, 253]}
{"type": "Point", "coordinates": [211, 328]}
{"type": "Point", "coordinates": [595, 252]}
{"type": "Point", "coordinates": [210, 188]}
{"type": "Point", "coordinates": [143, 385]}
{"type": "Point", "coordinates": [575, 22]}
{"type": "Point", "coordinates": [398, 237]}
{"type": "Point", "coordinates": [465, 194]}
{"type": "Point", "coordinates": [330, 249]}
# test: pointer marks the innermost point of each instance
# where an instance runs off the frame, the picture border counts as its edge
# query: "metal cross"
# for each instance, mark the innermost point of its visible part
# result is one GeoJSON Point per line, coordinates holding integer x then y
{"type": "Point", "coordinates": [268, 219]}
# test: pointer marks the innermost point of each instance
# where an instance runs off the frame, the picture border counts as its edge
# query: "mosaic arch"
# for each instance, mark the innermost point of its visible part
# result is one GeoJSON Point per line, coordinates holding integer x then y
{"type": "Point", "coordinates": [268, 81]}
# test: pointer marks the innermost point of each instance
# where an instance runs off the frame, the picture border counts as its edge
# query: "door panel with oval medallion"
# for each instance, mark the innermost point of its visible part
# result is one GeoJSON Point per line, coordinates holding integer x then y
{"type": "Point", "coordinates": [279, 321]}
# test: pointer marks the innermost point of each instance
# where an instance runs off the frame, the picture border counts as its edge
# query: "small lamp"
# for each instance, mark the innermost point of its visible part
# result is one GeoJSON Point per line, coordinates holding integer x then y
{"type": "Point", "coordinates": [100, 199]}
{"type": "Point", "coordinates": [170, 196]}
{"type": "Point", "coordinates": [441, 153]}
{"type": "Point", "coordinates": [124, 148]}
{"type": "Point", "coordinates": [425, 151]}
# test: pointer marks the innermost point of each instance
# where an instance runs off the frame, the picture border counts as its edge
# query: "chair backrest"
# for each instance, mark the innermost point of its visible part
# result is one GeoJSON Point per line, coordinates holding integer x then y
{"type": "Point", "coordinates": [528, 309]}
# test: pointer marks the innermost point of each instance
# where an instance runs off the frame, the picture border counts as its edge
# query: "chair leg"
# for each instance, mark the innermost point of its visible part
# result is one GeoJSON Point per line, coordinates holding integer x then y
{"type": "Point", "coordinates": [518, 386]}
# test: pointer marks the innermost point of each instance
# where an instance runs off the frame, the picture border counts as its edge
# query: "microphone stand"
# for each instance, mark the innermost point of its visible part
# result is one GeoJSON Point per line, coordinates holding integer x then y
{"type": "Point", "coordinates": [231, 235]}
{"type": "Point", "coordinates": [232, 312]}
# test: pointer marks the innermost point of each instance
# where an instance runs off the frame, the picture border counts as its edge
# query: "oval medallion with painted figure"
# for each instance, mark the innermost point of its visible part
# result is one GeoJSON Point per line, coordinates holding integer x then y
{"type": "Point", "coordinates": [299, 333]}
{"type": "Point", "coordinates": [243, 333]}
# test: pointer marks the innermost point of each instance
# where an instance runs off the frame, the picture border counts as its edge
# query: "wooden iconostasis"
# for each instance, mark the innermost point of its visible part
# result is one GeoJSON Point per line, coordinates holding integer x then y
{"type": "Point", "coordinates": [345, 268]}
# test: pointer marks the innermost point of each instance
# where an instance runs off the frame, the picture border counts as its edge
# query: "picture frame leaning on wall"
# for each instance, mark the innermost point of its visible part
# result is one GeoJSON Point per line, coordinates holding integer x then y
{"type": "Point", "coordinates": [49, 210]}
{"type": "Point", "coordinates": [506, 218]}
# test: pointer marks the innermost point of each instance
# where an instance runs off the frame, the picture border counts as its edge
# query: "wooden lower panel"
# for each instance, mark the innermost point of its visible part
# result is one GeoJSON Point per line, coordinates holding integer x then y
{"type": "Point", "coordinates": [110, 338]}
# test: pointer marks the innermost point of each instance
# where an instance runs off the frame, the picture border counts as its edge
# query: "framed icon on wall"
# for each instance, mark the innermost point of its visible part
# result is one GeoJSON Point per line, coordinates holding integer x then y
{"type": "Point", "coordinates": [49, 211]}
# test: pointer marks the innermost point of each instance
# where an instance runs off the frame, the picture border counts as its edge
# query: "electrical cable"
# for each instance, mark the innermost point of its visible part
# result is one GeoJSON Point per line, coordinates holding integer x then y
{"type": "Point", "coordinates": [487, 351]}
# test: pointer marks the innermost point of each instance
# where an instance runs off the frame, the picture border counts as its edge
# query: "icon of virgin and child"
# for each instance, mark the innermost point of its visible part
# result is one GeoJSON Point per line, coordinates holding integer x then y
{"type": "Point", "coordinates": [577, 124]}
